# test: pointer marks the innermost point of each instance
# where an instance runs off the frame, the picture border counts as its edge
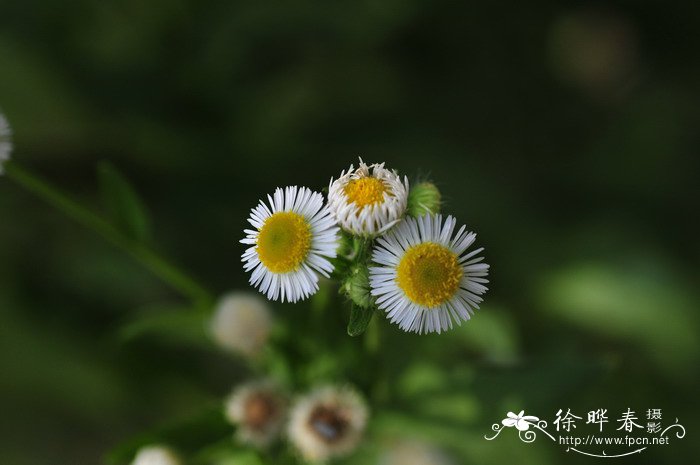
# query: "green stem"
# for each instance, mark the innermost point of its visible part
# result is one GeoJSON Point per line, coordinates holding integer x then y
{"type": "Point", "coordinates": [361, 246]}
{"type": "Point", "coordinates": [158, 265]}
{"type": "Point", "coordinates": [372, 336]}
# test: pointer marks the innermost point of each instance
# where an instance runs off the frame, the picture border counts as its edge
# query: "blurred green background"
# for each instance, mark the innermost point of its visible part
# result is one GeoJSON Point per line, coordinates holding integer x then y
{"type": "Point", "coordinates": [564, 133]}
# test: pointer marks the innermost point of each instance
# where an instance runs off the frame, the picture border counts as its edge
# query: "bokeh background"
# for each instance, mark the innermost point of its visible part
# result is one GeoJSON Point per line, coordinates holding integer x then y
{"type": "Point", "coordinates": [564, 133]}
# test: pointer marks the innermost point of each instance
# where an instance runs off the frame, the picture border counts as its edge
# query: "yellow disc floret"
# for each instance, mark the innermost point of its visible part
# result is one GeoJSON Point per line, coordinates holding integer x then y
{"type": "Point", "coordinates": [365, 191]}
{"type": "Point", "coordinates": [284, 242]}
{"type": "Point", "coordinates": [429, 274]}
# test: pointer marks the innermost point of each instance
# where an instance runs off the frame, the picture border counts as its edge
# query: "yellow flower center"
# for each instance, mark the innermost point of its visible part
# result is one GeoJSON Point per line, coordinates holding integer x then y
{"type": "Point", "coordinates": [284, 242]}
{"type": "Point", "coordinates": [365, 191]}
{"type": "Point", "coordinates": [429, 274]}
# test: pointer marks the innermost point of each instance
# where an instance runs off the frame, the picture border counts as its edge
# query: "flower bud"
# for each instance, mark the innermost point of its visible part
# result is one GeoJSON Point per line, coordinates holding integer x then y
{"type": "Point", "coordinates": [424, 198]}
{"type": "Point", "coordinates": [327, 423]}
{"type": "Point", "coordinates": [258, 409]}
{"type": "Point", "coordinates": [369, 200]}
{"type": "Point", "coordinates": [242, 323]}
{"type": "Point", "coordinates": [156, 455]}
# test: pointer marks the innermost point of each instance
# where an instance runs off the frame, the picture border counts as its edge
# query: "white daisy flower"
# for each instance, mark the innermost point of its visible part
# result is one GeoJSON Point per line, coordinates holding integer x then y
{"type": "Point", "coordinates": [156, 455]}
{"type": "Point", "coordinates": [259, 410]}
{"type": "Point", "coordinates": [241, 323]}
{"type": "Point", "coordinates": [424, 280]}
{"type": "Point", "coordinates": [291, 243]}
{"type": "Point", "coordinates": [369, 200]}
{"type": "Point", "coordinates": [5, 141]}
{"type": "Point", "coordinates": [411, 452]}
{"type": "Point", "coordinates": [327, 423]}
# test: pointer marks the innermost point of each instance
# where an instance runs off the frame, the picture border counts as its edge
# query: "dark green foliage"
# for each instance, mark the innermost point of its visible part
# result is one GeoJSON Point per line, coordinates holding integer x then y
{"type": "Point", "coordinates": [125, 208]}
{"type": "Point", "coordinates": [584, 194]}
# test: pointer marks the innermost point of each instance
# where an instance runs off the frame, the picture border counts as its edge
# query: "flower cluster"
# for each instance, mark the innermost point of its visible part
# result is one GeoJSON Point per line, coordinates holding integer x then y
{"type": "Point", "coordinates": [326, 423]}
{"type": "Point", "coordinates": [383, 240]}
{"type": "Point", "coordinates": [388, 247]}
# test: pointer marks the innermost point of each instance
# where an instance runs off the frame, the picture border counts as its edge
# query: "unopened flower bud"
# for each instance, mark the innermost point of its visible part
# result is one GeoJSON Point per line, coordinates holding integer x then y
{"type": "Point", "coordinates": [424, 198]}
{"type": "Point", "coordinates": [242, 323]}
{"type": "Point", "coordinates": [156, 455]}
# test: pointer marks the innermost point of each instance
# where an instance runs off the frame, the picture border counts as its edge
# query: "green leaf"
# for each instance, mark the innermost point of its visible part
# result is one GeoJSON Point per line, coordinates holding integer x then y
{"type": "Point", "coordinates": [127, 211]}
{"type": "Point", "coordinates": [359, 319]}
{"type": "Point", "coordinates": [179, 325]}
{"type": "Point", "coordinates": [652, 309]}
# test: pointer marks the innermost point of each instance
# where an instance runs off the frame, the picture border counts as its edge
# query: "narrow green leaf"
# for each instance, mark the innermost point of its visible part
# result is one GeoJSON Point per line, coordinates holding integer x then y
{"type": "Point", "coordinates": [359, 319]}
{"type": "Point", "coordinates": [179, 325]}
{"type": "Point", "coordinates": [125, 208]}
